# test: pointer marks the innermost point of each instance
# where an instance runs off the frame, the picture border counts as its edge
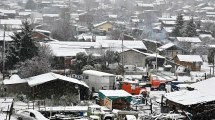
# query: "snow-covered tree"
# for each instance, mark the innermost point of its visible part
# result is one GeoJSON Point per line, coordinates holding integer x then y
{"type": "Point", "coordinates": [111, 57]}
{"type": "Point", "coordinates": [190, 29]}
{"type": "Point", "coordinates": [37, 65]}
{"type": "Point", "coordinates": [178, 27]}
{"type": "Point", "coordinates": [23, 46]}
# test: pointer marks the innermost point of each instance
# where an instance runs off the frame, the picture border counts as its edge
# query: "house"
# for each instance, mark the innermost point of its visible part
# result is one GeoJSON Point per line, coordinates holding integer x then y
{"type": "Point", "coordinates": [115, 99]}
{"type": "Point", "coordinates": [11, 24]}
{"type": "Point", "coordinates": [117, 45]}
{"type": "Point", "coordinates": [140, 6]}
{"type": "Point", "coordinates": [140, 59]}
{"type": "Point", "coordinates": [192, 62]}
{"type": "Point", "coordinates": [41, 35]}
{"type": "Point", "coordinates": [106, 26]}
{"type": "Point", "coordinates": [195, 99]}
{"type": "Point", "coordinates": [99, 80]}
{"type": "Point", "coordinates": [9, 13]}
{"type": "Point", "coordinates": [187, 42]}
{"type": "Point", "coordinates": [152, 45]}
{"type": "Point", "coordinates": [50, 18]}
{"type": "Point", "coordinates": [7, 37]}
{"type": "Point", "coordinates": [44, 86]}
{"type": "Point", "coordinates": [170, 50]}
{"type": "Point", "coordinates": [24, 14]}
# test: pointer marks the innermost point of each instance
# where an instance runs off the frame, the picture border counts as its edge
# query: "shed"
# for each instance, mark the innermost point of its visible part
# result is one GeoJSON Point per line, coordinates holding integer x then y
{"type": "Point", "coordinates": [119, 99]}
{"type": "Point", "coordinates": [199, 100]}
{"type": "Point", "coordinates": [48, 84]}
{"type": "Point", "coordinates": [193, 62]}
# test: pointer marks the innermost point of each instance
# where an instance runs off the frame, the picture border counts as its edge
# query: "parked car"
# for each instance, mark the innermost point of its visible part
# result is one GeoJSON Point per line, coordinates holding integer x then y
{"type": "Point", "coordinates": [30, 115]}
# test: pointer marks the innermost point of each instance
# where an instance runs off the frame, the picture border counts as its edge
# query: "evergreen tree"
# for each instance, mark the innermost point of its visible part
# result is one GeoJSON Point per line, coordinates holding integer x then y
{"type": "Point", "coordinates": [178, 27]}
{"type": "Point", "coordinates": [30, 5]}
{"type": "Point", "coordinates": [23, 46]}
{"type": "Point", "coordinates": [190, 29]}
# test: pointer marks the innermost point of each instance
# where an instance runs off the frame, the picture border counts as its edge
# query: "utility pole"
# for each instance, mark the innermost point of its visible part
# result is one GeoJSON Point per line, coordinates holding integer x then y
{"type": "Point", "coordinates": [156, 60]}
{"type": "Point", "coordinates": [123, 74]}
{"type": "Point", "coordinates": [3, 54]}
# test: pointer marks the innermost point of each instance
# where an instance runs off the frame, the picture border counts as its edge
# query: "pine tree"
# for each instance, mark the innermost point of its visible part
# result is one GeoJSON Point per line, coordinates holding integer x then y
{"type": "Point", "coordinates": [179, 26]}
{"type": "Point", "coordinates": [190, 29]}
{"type": "Point", "coordinates": [23, 46]}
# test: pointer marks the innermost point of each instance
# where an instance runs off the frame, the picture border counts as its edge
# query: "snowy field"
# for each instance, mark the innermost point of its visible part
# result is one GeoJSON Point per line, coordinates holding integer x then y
{"type": "Point", "coordinates": [3, 117]}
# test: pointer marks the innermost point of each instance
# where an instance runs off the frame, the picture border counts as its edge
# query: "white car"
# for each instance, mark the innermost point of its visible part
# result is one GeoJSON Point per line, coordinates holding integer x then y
{"type": "Point", "coordinates": [30, 115]}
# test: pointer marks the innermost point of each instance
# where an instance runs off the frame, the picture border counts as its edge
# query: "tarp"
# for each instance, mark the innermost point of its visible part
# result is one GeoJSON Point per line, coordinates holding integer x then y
{"type": "Point", "coordinates": [115, 94]}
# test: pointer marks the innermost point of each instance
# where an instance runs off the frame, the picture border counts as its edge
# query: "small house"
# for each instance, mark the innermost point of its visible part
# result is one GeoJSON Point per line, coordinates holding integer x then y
{"type": "Point", "coordinates": [187, 42]}
{"type": "Point", "coordinates": [140, 59]}
{"type": "Point", "coordinates": [115, 99]}
{"type": "Point", "coordinates": [192, 62]}
{"type": "Point", "coordinates": [170, 50]}
{"type": "Point", "coordinates": [106, 26]}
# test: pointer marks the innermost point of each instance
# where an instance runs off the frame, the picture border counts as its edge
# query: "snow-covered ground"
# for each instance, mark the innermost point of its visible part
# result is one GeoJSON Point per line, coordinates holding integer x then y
{"type": "Point", "coordinates": [3, 116]}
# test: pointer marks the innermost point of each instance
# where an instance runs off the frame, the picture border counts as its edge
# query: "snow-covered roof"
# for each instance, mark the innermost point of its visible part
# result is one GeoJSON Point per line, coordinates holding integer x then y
{"type": "Point", "coordinates": [24, 13]}
{"type": "Point", "coordinates": [169, 22]}
{"type": "Point", "coordinates": [112, 16]}
{"type": "Point", "coordinates": [10, 22]}
{"type": "Point", "coordinates": [189, 97]}
{"type": "Point", "coordinates": [166, 19]}
{"type": "Point", "coordinates": [205, 85]}
{"type": "Point", "coordinates": [97, 73]}
{"type": "Point", "coordinates": [43, 31]}
{"type": "Point", "coordinates": [131, 117]}
{"type": "Point", "coordinates": [210, 13]}
{"type": "Point", "coordinates": [117, 93]}
{"type": "Point", "coordinates": [7, 35]}
{"type": "Point", "coordinates": [8, 11]}
{"type": "Point", "coordinates": [168, 29]}
{"type": "Point", "coordinates": [90, 37]}
{"type": "Point", "coordinates": [47, 77]}
{"type": "Point", "coordinates": [189, 39]}
{"type": "Point", "coordinates": [145, 5]}
{"type": "Point", "coordinates": [14, 79]}
{"type": "Point", "coordinates": [207, 8]}
{"type": "Point", "coordinates": [203, 92]}
{"type": "Point", "coordinates": [166, 46]}
{"type": "Point", "coordinates": [147, 54]}
{"type": "Point", "coordinates": [50, 15]}
{"type": "Point", "coordinates": [130, 44]}
{"type": "Point", "coordinates": [67, 52]}
{"type": "Point", "coordinates": [7, 38]}
{"type": "Point", "coordinates": [135, 20]}
{"type": "Point", "coordinates": [205, 36]}
{"type": "Point", "coordinates": [80, 45]}
{"type": "Point", "coordinates": [99, 24]}
{"type": "Point", "coordinates": [190, 58]}
{"type": "Point", "coordinates": [68, 49]}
